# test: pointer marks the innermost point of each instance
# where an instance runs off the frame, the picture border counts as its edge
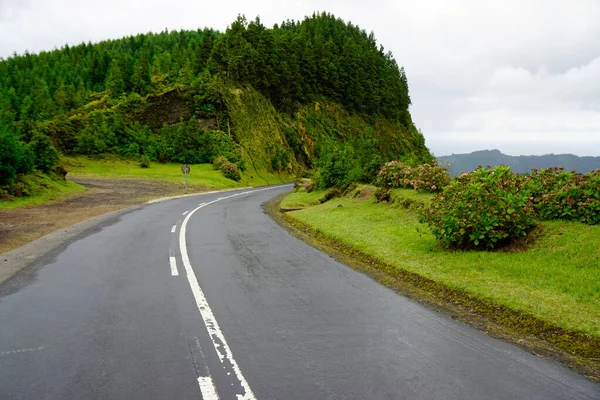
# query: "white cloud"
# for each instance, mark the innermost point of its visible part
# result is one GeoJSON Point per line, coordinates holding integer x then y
{"type": "Point", "coordinates": [521, 75]}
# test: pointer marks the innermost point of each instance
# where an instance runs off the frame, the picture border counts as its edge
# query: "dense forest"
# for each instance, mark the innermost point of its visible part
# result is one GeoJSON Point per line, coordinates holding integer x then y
{"type": "Point", "coordinates": [184, 96]}
{"type": "Point", "coordinates": [521, 164]}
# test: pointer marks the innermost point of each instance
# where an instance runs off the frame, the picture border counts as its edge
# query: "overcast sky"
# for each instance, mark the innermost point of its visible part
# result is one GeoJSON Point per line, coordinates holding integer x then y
{"type": "Point", "coordinates": [522, 76]}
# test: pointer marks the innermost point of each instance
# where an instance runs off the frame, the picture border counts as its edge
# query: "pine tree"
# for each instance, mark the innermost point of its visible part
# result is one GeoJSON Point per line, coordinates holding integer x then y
{"type": "Point", "coordinates": [114, 81]}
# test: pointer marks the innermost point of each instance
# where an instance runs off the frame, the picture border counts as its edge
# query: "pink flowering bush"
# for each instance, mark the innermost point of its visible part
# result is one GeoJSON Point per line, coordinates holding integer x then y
{"type": "Point", "coordinates": [425, 177]}
{"type": "Point", "coordinates": [558, 194]}
{"type": "Point", "coordinates": [482, 209]}
{"type": "Point", "coordinates": [230, 171]}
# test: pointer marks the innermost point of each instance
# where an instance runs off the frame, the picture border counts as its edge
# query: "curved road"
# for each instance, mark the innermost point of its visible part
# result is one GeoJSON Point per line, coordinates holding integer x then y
{"type": "Point", "coordinates": [179, 300]}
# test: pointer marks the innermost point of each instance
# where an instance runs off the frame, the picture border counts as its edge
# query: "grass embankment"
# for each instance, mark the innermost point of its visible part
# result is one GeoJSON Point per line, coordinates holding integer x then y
{"type": "Point", "coordinates": [42, 189]}
{"type": "Point", "coordinates": [201, 177]}
{"type": "Point", "coordinates": [552, 283]}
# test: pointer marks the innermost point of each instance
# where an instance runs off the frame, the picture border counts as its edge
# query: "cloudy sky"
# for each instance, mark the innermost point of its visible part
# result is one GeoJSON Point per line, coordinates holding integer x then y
{"type": "Point", "coordinates": [522, 76]}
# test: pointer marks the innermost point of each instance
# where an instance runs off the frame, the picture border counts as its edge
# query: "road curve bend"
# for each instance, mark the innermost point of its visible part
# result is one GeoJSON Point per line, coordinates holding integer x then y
{"type": "Point", "coordinates": [205, 297]}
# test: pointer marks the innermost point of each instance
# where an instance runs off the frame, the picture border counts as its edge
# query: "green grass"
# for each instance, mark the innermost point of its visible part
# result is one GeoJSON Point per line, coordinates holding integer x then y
{"type": "Point", "coordinates": [302, 199]}
{"type": "Point", "coordinates": [43, 189]}
{"type": "Point", "coordinates": [411, 195]}
{"type": "Point", "coordinates": [201, 176]}
{"type": "Point", "coordinates": [557, 279]}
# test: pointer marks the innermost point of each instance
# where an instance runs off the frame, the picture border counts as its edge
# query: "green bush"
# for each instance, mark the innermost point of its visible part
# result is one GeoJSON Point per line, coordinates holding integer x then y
{"type": "Point", "coordinates": [218, 161]}
{"type": "Point", "coordinates": [425, 177]}
{"type": "Point", "coordinates": [557, 194]}
{"type": "Point", "coordinates": [15, 157]}
{"type": "Point", "coordinates": [144, 161]}
{"type": "Point", "coordinates": [336, 165]}
{"type": "Point", "coordinates": [45, 155]}
{"type": "Point", "coordinates": [482, 209]}
{"type": "Point", "coordinates": [89, 144]}
{"type": "Point", "coordinates": [128, 150]}
{"type": "Point", "coordinates": [231, 171]}
{"type": "Point", "coordinates": [280, 159]}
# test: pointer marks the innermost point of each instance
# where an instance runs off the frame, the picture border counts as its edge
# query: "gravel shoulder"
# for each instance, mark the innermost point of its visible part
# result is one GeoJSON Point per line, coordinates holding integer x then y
{"type": "Point", "coordinates": [27, 233]}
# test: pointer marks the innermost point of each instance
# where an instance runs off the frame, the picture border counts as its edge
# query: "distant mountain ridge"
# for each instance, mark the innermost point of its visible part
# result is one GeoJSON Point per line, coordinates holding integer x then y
{"type": "Point", "coordinates": [468, 162]}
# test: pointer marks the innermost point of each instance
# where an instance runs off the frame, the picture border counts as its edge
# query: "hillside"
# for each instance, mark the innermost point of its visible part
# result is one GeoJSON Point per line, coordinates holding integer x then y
{"type": "Point", "coordinates": [521, 164]}
{"type": "Point", "coordinates": [266, 99]}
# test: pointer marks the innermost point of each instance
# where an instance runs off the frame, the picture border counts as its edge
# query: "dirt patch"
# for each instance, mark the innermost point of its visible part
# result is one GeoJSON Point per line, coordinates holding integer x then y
{"type": "Point", "coordinates": [365, 194]}
{"type": "Point", "coordinates": [23, 225]}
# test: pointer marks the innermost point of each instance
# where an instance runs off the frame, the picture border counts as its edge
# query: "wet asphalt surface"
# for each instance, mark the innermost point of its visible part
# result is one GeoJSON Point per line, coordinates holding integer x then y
{"type": "Point", "coordinates": [103, 318]}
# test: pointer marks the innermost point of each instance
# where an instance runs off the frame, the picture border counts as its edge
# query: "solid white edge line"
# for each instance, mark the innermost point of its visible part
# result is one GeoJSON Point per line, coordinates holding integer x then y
{"type": "Point", "coordinates": [173, 262]}
{"type": "Point", "coordinates": [215, 333]}
{"type": "Point", "coordinates": [207, 388]}
{"type": "Point", "coordinates": [174, 228]}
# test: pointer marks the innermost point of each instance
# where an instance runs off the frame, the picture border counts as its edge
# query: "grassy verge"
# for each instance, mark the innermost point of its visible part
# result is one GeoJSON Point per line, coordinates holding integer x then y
{"type": "Point", "coordinates": [202, 176]}
{"type": "Point", "coordinates": [43, 189]}
{"type": "Point", "coordinates": [302, 199]}
{"type": "Point", "coordinates": [551, 289]}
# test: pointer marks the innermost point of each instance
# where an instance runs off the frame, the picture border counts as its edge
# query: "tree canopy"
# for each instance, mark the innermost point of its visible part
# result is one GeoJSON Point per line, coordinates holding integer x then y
{"type": "Point", "coordinates": [292, 63]}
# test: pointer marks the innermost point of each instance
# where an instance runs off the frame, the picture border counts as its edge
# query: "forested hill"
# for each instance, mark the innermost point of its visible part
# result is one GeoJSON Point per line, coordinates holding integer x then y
{"type": "Point", "coordinates": [263, 97]}
{"type": "Point", "coordinates": [521, 164]}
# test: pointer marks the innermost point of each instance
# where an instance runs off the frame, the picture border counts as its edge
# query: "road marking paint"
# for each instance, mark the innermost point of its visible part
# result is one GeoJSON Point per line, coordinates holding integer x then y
{"type": "Point", "coordinates": [185, 213]}
{"type": "Point", "coordinates": [173, 262]}
{"type": "Point", "coordinates": [216, 335]}
{"type": "Point", "coordinates": [15, 351]}
{"type": "Point", "coordinates": [174, 228]}
{"type": "Point", "coordinates": [207, 388]}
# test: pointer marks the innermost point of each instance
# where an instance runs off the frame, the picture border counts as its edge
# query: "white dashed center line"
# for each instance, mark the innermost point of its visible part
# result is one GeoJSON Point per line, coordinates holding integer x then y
{"type": "Point", "coordinates": [173, 263]}
{"type": "Point", "coordinates": [207, 388]}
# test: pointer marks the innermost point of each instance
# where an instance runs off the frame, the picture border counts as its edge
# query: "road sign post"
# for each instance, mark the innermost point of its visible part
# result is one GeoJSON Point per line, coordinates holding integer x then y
{"type": "Point", "coordinates": [186, 170]}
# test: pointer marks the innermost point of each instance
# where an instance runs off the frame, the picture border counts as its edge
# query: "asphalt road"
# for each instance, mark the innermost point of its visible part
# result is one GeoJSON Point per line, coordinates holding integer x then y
{"type": "Point", "coordinates": [242, 310]}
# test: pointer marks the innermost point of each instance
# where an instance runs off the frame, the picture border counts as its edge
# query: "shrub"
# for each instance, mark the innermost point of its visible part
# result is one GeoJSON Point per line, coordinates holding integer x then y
{"type": "Point", "coordinates": [90, 144]}
{"type": "Point", "coordinates": [557, 194]}
{"type": "Point", "coordinates": [231, 171]}
{"type": "Point", "coordinates": [336, 165]}
{"type": "Point", "coordinates": [129, 150]}
{"type": "Point", "coordinates": [424, 177]}
{"type": "Point", "coordinates": [15, 158]}
{"type": "Point", "coordinates": [394, 174]}
{"type": "Point", "coordinates": [218, 161]}
{"type": "Point", "coordinates": [45, 154]}
{"type": "Point", "coordinates": [482, 209]}
{"type": "Point", "coordinates": [144, 161]}
{"type": "Point", "coordinates": [280, 160]}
